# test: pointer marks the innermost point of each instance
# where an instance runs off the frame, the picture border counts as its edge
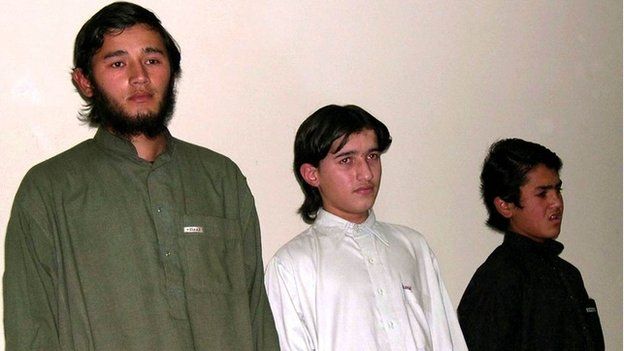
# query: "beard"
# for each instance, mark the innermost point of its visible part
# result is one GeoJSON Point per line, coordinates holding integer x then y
{"type": "Point", "coordinates": [150, 124]}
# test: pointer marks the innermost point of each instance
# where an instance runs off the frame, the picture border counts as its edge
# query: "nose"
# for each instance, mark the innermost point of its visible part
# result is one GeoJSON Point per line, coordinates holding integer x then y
{"type": "Point", "coordinates": [557, 200]}
{"type": "Point", "coordinates": [364, 171]}
{"type": "Point", "coordinates": [138, 73]}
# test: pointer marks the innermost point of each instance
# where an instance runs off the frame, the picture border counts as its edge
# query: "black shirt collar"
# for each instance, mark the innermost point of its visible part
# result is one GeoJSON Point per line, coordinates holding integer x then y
{"type": "Point", "coordinates": [521, 242]}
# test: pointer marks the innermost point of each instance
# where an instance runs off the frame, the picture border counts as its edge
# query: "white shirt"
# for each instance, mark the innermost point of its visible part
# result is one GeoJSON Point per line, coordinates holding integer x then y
{"type": "Point", "coordinates": [341, 286]}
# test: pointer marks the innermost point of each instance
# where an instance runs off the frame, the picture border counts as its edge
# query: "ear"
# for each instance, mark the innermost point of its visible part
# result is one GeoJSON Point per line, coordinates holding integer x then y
{"type": "Point", "coordinates": [503, 207]}
{"type": "Point", "coordinates": [82, 82]}
{"type": "Point", "coordinates": [309, 173]}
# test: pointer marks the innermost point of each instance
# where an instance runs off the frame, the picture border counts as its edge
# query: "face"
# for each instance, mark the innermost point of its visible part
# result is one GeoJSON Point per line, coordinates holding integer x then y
{"type": "Point", "coordinates": [348, 179]}
{"type": "Point", "coordinates": [542, 206]}
{"type": "Point", "coordinates": [131, 85]}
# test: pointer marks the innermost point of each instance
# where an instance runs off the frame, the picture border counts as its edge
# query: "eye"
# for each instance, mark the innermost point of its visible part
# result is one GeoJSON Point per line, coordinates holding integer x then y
{"type": "Point", "coordinates": [117, 64]}
{"type": "Point", "coordinates": [374, 156]}
{"type": "Point", "coordinates": [541, 194]}
{"type": "Point", "coordinates": [152, 61]}
{"type": "Point", "coordinates": [345, 161]}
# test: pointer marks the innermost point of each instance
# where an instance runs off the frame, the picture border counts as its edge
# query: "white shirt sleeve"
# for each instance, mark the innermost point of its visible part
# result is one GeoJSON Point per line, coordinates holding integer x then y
{"type": "Point", "coordinates": [292, 328]}
{"type": "Point", "coordinates": [457, 337]}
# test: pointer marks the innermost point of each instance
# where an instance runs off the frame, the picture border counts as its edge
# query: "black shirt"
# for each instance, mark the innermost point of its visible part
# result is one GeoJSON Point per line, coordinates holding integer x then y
{"type": "Point", "coordinates": [525, 297]}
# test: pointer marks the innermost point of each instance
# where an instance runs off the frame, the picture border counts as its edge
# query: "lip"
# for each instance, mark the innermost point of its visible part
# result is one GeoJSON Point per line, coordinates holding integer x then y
{"type": "Point", "coordinates": [365, 190]}
{"type": "Point", "coordinates": [140, 97]}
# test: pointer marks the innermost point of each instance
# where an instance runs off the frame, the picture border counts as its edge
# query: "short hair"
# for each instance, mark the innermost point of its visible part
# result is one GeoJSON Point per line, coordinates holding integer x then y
{"type": "Point", "coordinates": [504, 172]}
{"type": "Point", "coordinates": [315, 137]}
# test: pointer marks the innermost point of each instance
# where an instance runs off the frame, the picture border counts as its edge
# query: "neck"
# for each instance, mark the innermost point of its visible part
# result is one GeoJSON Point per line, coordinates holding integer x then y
{"type": "Point", "coordinates": [149, 148]}
{"type": "Point", "coordinates": [353, 218]}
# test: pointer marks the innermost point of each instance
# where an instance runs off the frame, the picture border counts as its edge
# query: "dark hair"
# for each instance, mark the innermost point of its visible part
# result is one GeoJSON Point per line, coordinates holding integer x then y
{"type": "Point", "coordinates": [112, 19]}
{"type": "Point", "coordinates": [504, 172]}
{"type": "Point", "coordinates": [315, 137]}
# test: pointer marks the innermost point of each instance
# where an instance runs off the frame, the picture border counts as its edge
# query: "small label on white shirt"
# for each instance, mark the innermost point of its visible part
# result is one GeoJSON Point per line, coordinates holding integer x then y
{"type": "Point", "coordinates": [193, 230]}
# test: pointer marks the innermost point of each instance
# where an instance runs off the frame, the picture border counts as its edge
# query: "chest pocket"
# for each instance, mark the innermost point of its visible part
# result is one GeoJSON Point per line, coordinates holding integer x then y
{"type": "Point", "coordinates": [211, 254]}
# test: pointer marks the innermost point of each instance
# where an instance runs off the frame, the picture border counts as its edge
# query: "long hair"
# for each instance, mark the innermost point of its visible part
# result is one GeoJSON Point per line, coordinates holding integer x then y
{"type": "Point", "coordinates": [315, 137]}
{"type": "Point", "coordinates": [115, 18]}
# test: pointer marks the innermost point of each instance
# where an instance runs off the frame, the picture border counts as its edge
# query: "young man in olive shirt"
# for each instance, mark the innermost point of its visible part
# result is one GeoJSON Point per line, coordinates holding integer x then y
{"type": "Point", "coordinates": [525, 297]}
{"type": "Point", "coordinates": [133, 240]}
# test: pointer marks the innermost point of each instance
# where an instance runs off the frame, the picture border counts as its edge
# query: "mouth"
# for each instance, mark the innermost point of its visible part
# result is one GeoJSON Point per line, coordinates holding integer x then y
{"type": "Point", "coordinates": [140, 97]}
{"type": "Point", "coordinates": [365, 190]}
{"type": "Point", "coordinates": [556, 217]}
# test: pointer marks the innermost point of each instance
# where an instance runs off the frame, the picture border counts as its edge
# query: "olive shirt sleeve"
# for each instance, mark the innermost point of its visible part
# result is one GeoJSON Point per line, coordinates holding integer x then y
{"type": "Point", "coordinates": [262, 323]}
{"type": "Point", "coordinates": [29, 286]}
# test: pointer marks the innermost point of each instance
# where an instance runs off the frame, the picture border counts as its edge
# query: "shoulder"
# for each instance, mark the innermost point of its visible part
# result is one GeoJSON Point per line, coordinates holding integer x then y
{"type": "Point", "coordinates": [70, 162]}
{"type": "Point", "coordinates": [67, 161]}
{"type": "Point", "coordinates": [198, 154]}
{"type": "Point", "coordinates": [298, 248]}
{"type": "Point", "coordinates": [497, 281]}
{"type": "Point", "coordinates": [569, 269]}
{"type": "Point", "coordinates": [502, 268]}
{"type": "Point", "coordinates": [310, 248]}
{"type": "Point", "coordinates": [43, 182]}
{"type": "Point", "coordinates": [209, 167]}
{"type": "Point", "coordinates": [403, 235]}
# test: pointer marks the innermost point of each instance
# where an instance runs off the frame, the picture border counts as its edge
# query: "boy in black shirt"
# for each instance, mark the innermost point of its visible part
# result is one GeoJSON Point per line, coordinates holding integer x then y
{"type": "Point", "coordinates": [525, 297]}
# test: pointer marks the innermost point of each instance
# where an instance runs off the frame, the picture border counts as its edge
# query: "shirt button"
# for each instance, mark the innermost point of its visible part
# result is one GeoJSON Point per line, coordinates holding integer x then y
{"type": "Point", "coordinates": [391, 325]}
{"type": "Point", "coordinates": [159, 209]}
{"type": "Point", "coordinates": [380, 291]}
{"type": "Point", "coordinates": [168, 253]}
{"type": "Point", "coordinates": [371, 260]}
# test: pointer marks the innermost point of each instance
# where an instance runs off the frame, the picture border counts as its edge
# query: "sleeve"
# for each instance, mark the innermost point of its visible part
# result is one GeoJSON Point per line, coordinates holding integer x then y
{"type": "Point", "coordinates": [490, 312]}
{"type": "Point", "coordinates": [30, 313]}
{"type": "Point", "coordinates": [587, 309]}
{"type": "Point", "coordinates": [457, 338]}
{"type": "Point", "coordinates": [262, 324]}
{"type": "Point", "coordinates": [293, 333]}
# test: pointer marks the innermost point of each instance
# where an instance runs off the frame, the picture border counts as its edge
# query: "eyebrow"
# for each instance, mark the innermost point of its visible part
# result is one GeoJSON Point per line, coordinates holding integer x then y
{"type": "Point", "coordinates": [550, 186]}
{"type": "Point", "coordinates": [147, 50]}
{"type": "Point", "coordinates": [351, 153]}
{"type": "Point", "coordinates": [116, 53]}
{"type": "Point", "coordinates": [153, 50]}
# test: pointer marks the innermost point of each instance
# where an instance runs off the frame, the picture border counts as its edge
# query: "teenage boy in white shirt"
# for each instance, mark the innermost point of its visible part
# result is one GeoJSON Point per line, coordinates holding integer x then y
{"type": "Point", "coordinates": [349, 282]}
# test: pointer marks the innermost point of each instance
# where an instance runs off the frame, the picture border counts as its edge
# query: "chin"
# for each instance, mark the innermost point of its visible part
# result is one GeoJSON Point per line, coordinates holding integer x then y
{"type": "Point", "coordinates": [553, 235]}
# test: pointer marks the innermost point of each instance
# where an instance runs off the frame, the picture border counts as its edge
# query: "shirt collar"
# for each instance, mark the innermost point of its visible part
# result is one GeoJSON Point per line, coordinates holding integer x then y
{"type": "Point", "coordinates": [548, 247]}
{"type": "Point", "coordinates": [124, 147]}
{"type": "Point", "coordinates": [331, 223]}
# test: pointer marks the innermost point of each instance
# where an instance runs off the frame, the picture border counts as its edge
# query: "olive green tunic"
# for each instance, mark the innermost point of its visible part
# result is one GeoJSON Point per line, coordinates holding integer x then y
{"type": "Point", "coordinates": [105, 251]}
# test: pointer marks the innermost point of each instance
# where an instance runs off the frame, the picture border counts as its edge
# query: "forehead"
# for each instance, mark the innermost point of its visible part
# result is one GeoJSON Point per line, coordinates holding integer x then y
{"type": "Point", "coordinates": [139, 35]}
{"type": "Point", "coordinates": [364, 137]}
{"type": "Point", "coordinates": [541, 176]}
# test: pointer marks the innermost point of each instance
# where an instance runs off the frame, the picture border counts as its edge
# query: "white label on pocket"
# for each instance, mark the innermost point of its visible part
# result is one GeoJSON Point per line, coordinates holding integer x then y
{"type": "Point", "coordinates": [193, 229]}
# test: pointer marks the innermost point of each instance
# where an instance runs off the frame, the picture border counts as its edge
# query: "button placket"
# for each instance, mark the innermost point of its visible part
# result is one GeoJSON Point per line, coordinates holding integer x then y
{"type": "Point", "coordinates": [165, 229]}
{"type": "Point", "coordinates": [377, 274]}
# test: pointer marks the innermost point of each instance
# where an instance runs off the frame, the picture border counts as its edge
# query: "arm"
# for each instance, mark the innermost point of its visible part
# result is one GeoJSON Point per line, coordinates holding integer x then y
{"type": "Point", "coordinates": [490, 312]}
{"type": "Point", "coordinates": [30, 307]}
{"type": "Point", "coordinates": [455, 332]}
{"type": "Point", "coordinates": [262, 324]}
{"type": "Point", "coordinates": [282, 292]}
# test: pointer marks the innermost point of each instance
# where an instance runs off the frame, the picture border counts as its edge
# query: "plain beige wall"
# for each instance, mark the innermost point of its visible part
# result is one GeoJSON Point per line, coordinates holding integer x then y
{"type": "Point", "coordinates": [447, 77]}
